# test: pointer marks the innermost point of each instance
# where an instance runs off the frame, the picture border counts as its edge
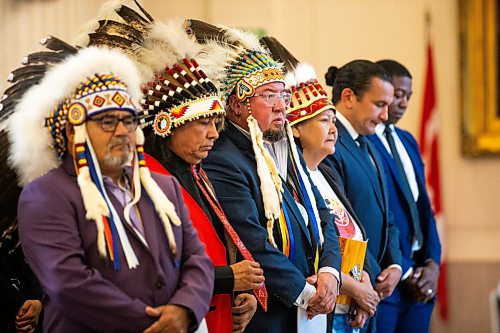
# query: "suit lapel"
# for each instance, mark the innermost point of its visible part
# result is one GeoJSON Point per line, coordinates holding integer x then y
{"type": "Point", "coordinates": [244, 144]}
{"type": "Point", "coordinates": [413, 153]}
{"type": "Point", "coordinates": [150, 221]}
{"type": "Point", "coordinates": [352, 148]}
{"type": "Point", "coordinates": [381, 182]}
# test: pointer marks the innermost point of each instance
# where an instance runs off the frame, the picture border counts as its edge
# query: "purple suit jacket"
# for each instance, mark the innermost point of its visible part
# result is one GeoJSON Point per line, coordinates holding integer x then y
{"type": "Point", "coordinates": [83, 292]}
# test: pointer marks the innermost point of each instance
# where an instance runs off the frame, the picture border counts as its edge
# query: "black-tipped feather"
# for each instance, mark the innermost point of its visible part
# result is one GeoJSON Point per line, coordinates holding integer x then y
{"type": "Point", "coordinates": [98, 39]}
{"type": "Point", "coordinates": [279, 52]}
{"type": "Point", "coordinates": [119, 29]}
{"type": "Point", "coordinates": [6, 108]}
{"type": "Point", "coordinates": [27, 72]}
{"type": "Point", "coordinates": [133, 18]}
{"type": "Point", "coordinates": [204, 31]}
{"type": "Point", "coordinates": [9, 195]}
{"type": "Point", "coordinates": [44, 57]}
{"type": "Point", "coordinates": [149, 17]}
{"type": "Point", "coordinates": [21, 87]}
{"type": "Point", "coordinates": [33, 71]}
{"type": "Point", "coordinates": [56, 44]}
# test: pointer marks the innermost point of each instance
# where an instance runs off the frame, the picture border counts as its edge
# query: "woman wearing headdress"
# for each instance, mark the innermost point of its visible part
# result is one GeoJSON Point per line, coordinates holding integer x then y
{"type": "Point", "coordinates": [312, 118]}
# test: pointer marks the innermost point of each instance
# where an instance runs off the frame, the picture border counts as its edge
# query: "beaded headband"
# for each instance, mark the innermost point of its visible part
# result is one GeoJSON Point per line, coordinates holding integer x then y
{"type": "Point", "coordinates": [180, 94]}
{"type": "Point", "coordinates": [234, 59]}
{"type": "Point", "coordinates": [176, 88]}
{"type": "Point", "coordinates": [104, 80]}
{"type": "Point", "coordinates": [95, 95]}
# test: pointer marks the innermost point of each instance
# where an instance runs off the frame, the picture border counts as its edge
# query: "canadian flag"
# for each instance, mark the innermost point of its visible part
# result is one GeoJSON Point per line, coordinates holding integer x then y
{"type": "Point", "coordinates": [429, 147]}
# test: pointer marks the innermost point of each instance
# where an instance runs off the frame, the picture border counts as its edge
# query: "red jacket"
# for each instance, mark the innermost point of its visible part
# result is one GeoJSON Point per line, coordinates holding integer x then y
{"type": "Point", "coordinates": [220, 319]}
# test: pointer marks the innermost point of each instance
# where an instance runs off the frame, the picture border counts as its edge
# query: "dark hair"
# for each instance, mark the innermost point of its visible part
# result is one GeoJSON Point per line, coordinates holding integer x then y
{"type": "Point", "coordinates": [394, 68]}
{"type": "Point", "coordinates": [356, 75]}
{"type": "Point", "coordinates": [156, 146]}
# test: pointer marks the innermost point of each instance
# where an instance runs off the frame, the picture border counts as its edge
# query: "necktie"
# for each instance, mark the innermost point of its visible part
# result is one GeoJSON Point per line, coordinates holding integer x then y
{"type": "Point", "coordinates": [364, 148]}
{"type": "Point", "coordinates": [417, 231]}
{"type": "Point", "coordinates": [206, 189]}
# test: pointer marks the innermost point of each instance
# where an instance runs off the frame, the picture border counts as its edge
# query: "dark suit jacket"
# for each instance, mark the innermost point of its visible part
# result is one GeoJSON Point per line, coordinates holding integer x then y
{"type": "Point", "coordinates": [232, 170]}
{"type": "Point", "coordinates": [367, 193]}
{"type": "Point", "coordinates": [83, 291]}
{"type": "Point", "coordinates": [431, 248]}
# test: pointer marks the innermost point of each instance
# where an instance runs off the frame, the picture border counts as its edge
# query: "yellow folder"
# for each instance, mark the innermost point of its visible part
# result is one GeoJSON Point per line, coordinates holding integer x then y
{"type": "Point", "coordinates": [353, 258]}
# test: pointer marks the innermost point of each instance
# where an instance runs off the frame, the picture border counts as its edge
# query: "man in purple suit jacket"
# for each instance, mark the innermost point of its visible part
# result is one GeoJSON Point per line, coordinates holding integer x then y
{"type": "Point", "coordinates": [111, 244]}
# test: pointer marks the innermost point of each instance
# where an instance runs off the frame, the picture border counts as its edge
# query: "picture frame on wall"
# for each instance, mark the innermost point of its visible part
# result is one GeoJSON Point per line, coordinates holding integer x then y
{"type": "Point", "coordinates": [480, 79]}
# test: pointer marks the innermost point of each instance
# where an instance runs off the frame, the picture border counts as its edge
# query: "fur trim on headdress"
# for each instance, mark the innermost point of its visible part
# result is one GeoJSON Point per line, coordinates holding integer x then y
{"type": "Point", "coordinates": [270, 182]}
{"type": "Point", "coordinates": [163, 206]}
{"type": "Point", "coordinates": [30, 155]}
{"type": "Point", "coordinates": [242, 38]}
{"type": "Point", "coordinates": [303, 73]}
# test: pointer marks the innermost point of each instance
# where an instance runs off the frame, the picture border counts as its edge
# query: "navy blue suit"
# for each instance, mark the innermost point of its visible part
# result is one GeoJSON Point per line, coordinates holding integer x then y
{"type": "Point", "coordinates": [367, 192]}
{"type": "Point", "coordinates": [232, 170]}
{"type": "Point", "coordinates": [431, 247]}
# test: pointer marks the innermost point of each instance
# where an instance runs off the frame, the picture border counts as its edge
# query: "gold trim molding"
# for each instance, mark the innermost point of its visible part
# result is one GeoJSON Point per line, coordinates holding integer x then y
{"type": "Point", "coordinates": [480, 43]}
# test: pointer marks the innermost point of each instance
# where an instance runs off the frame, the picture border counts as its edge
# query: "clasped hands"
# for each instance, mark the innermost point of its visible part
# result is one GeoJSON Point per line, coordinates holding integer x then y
{"type": "Point", "coordinates": [327, 290]}
{"type": "Point", "coordinates": [387, 280]}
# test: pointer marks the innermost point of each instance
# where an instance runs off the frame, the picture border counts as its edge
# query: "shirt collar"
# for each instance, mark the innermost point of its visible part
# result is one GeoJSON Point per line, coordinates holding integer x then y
{"type": "Point", "coordinates": [349, 128]}
{"type": "Point", "coordinates": [123, 182]}
{"type": "Point", "coordinates": [243, 131]}
{"type": "Point", "coordinates": [380, 128]}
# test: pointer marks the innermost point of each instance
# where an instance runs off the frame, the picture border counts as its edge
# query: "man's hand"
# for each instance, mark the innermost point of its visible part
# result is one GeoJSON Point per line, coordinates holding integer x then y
{"type": "Point", "coordinates": [171, 319]}
{"type": "Point", "coordinates": [388, 279]}
{"type": "Point", "coordinates": [243, 311]}
{"type": "Point", "coordinates": [27, 316]}
{"type": "Point", "coordinates": [247, 275]}
{"type": "Point", "coordinates": [423, 282]}
{"type": "Point", "coordinates": [327, 290]}
{"type": "Point", "coordinates": [365, 296]}
{"type": "Point", "coordinates": [360, 318]}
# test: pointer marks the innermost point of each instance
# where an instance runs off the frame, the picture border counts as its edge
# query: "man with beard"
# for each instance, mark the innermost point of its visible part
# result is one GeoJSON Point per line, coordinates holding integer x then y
{"type": "Point", "coordinates": [112, 245]}
{"type": "Point", "coordinates": [410, 307]}
{"type": "Point", "coordinates": [276, 213]}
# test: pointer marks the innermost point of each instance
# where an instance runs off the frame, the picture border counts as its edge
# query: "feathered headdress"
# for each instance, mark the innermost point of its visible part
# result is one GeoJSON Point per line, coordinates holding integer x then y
{"type": "Point", "coordinates": [34, 67]}
{"type": "Point", "coordinates": [238, 64]}
{"type": "Point", "coordinates": [308, 100]}
{"type": "Point", "coordinates": [234, 59]}
{"type": "Point", "coordinates": [176, 89]}
{"type": "Point", "coordinates": [308, 96]}
{"type": "Point", "coordinates": [83, 84]}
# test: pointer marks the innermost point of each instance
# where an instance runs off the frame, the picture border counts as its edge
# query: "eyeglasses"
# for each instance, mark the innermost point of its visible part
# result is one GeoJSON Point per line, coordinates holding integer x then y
{"type": "Point", "coordinates": [109, 123]}
{"type": "Point", "coordinates": [272, 99]}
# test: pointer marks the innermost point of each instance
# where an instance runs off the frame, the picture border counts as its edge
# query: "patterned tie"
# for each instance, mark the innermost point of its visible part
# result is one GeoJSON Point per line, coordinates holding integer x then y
{"type": "Point", "coordinates": [206, 189]}
{"type": "Point", "coordinates": [406, 186]}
